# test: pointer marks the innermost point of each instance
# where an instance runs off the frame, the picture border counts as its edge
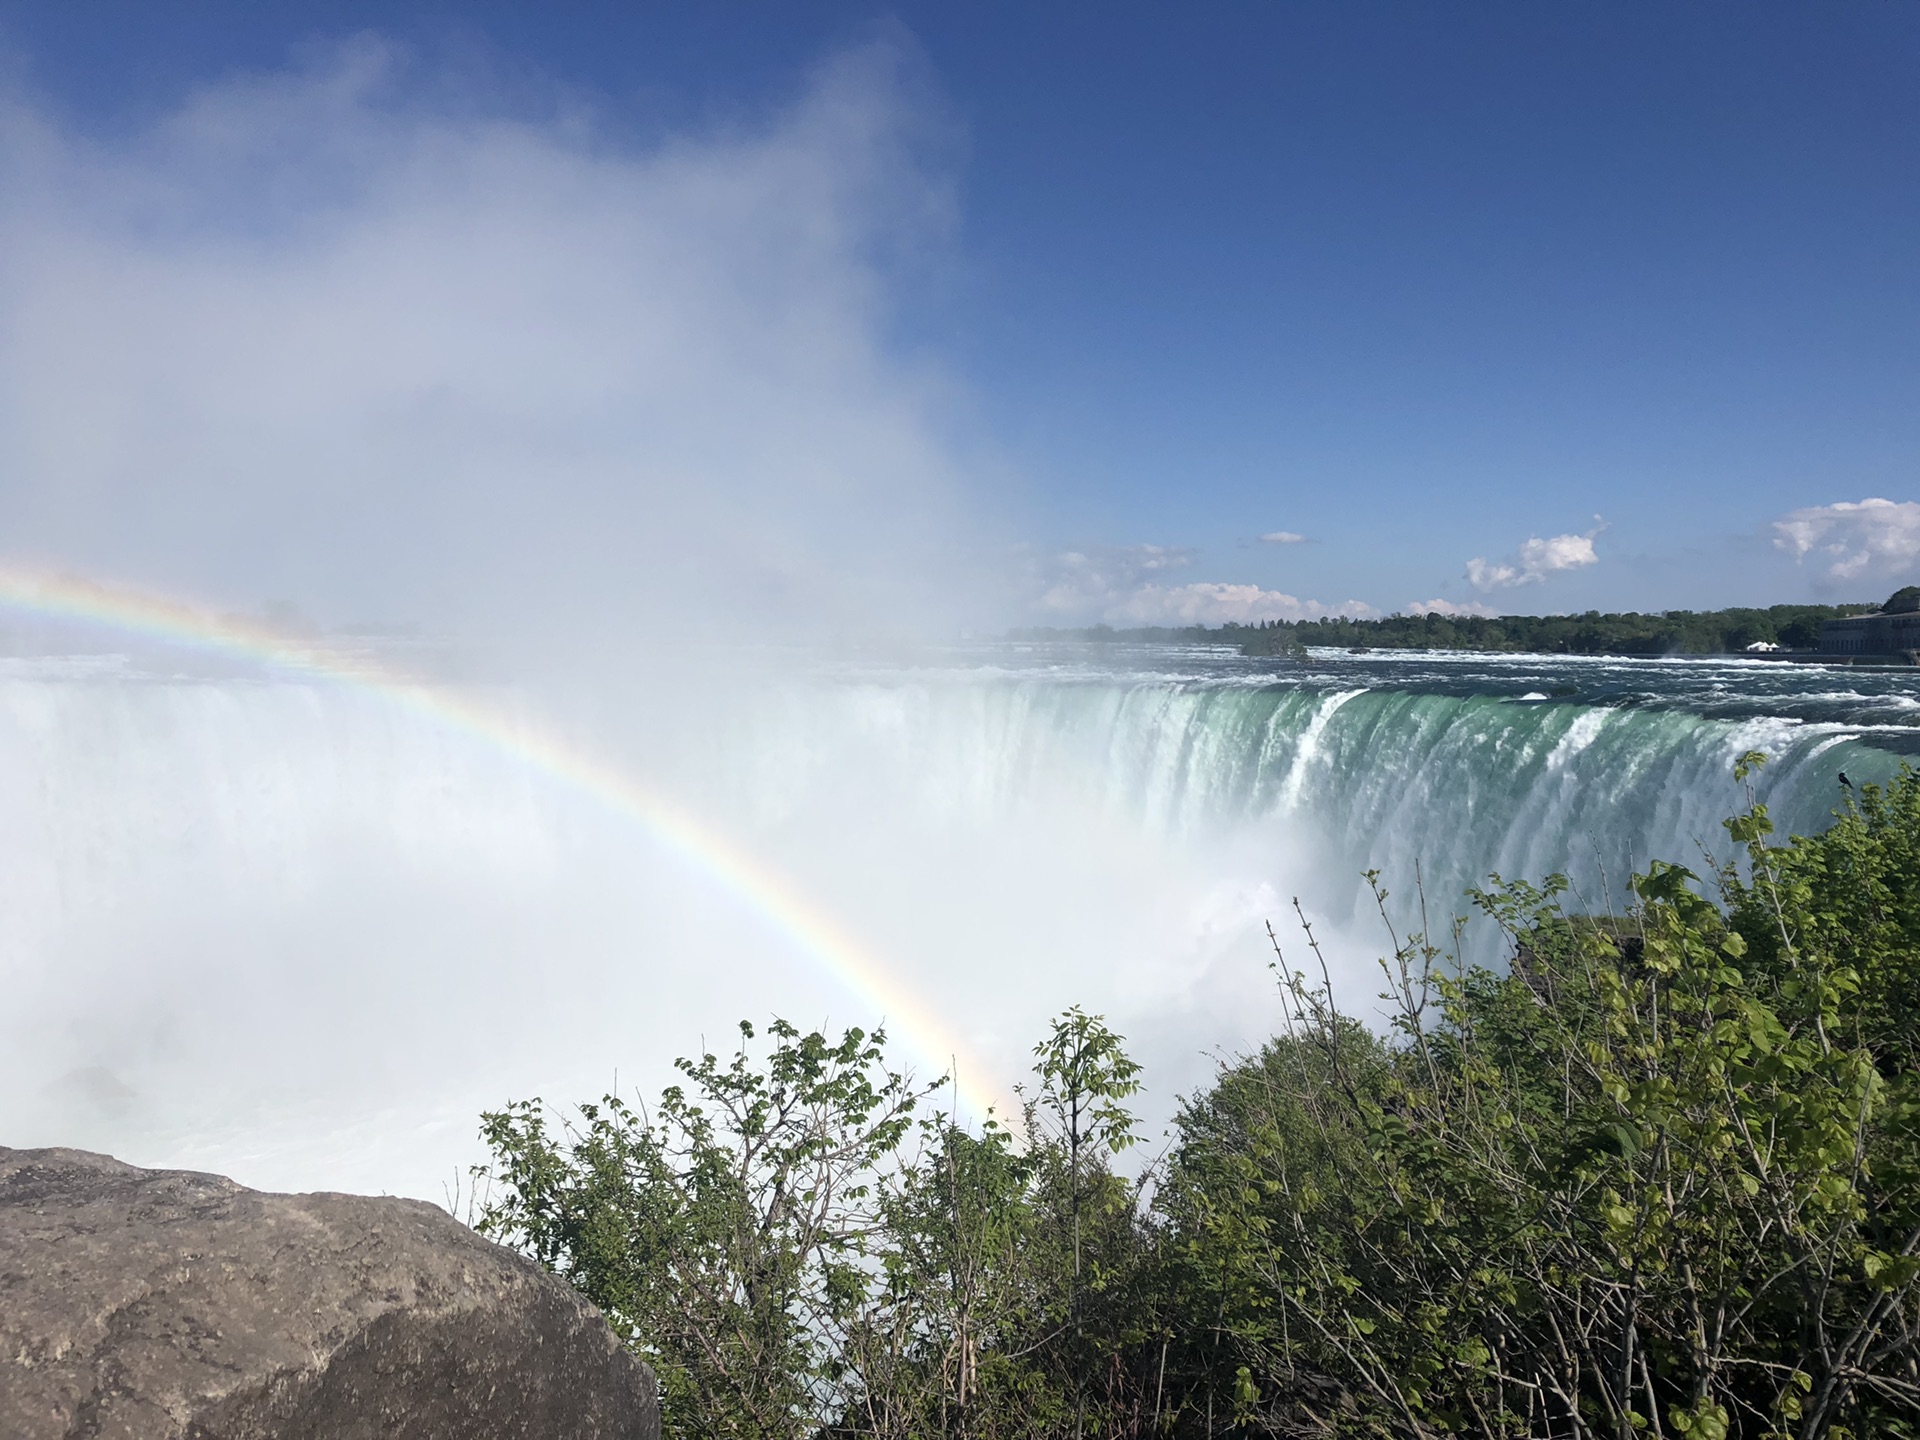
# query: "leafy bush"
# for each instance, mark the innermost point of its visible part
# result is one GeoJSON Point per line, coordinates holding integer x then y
{"type": "Point", "coordinates": [1658, 1176]}
{"type": "Point", "coordinates": [795, 1256]}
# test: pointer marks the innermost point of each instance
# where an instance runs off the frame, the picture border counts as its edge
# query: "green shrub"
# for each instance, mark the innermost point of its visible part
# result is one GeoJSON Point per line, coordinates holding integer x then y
{"type": "Point", "coordinates": [1658, 1176]}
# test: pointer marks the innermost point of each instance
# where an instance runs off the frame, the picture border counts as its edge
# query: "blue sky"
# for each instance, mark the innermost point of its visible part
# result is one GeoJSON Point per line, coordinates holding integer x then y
{"type": "Point", "coordinates": [1618, 300]}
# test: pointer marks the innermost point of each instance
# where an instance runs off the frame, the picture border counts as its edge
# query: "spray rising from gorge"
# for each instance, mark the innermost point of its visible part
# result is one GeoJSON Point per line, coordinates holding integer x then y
{"type": "Point", "coordinates": [291, 926]}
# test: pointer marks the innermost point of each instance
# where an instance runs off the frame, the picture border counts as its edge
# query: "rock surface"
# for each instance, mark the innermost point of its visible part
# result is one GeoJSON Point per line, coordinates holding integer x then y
{"type": "Point", "coordinates": [152, 1304]}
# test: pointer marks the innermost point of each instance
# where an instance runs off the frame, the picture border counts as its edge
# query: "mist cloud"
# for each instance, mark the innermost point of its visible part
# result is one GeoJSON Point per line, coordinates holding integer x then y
{"type": "Point", "coordinates": [313, 336]}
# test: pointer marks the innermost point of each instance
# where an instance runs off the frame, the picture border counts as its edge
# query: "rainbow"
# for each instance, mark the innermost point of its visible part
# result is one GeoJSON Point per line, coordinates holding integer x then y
{"type": "Point", "coordinates": [809, 930]}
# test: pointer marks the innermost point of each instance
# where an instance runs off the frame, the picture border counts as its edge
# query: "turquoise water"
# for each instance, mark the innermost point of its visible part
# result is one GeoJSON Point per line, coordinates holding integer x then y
{"type": "Point", "coordinates": [1461, 765]}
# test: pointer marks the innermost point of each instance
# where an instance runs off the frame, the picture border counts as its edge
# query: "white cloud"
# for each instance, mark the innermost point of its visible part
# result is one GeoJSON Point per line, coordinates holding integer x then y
{"type": "Point", "coordinates": [1082, 582]}
{"type": "Point", "coordinates": [1208, 603]}
{"type": "Point", "coordinates": [1283, 537]}
{"type": "Point", "coordinates": [1448, 607]}
{"type": "Point", "coordinates": [1854, 538]}
{"type": "Point", "coordinates": [383, 345]}
{"type": "Point", "coordinates": [1129, 586]}
{"type": "Point", "coordinates": [1537, 559]}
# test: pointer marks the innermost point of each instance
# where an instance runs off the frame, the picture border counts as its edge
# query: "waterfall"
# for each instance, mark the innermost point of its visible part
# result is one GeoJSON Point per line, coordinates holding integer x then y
{"type": "Point", "coordinates": [297, 931]}
{"type": "Point", "coordinates": [1463, 786]}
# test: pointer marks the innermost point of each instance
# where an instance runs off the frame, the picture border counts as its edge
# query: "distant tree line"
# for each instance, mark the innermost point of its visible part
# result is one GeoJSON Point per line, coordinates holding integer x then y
{"type": "Point", "coordinates": [1658, 1175]}
{"type": "Point", "coordinates": [1669, 632]}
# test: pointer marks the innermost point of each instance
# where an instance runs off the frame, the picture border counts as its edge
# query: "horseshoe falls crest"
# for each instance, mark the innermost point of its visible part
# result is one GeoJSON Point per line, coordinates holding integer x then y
{"type": "Point", "coordinates": [300, 933]}
{"type": "Point", "coordinates": [1389, 779]}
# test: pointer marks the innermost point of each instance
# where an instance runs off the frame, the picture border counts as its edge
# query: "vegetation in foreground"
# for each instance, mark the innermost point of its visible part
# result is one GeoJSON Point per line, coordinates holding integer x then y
{"type": "Point", "coordinates": [1660, 1176]}
{"type": "Point", "coordinates": [1669, 632]}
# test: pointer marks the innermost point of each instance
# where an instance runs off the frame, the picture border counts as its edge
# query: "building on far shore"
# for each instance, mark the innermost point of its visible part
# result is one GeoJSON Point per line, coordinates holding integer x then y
{"type": "Point", "coordinates": [1891, 632]}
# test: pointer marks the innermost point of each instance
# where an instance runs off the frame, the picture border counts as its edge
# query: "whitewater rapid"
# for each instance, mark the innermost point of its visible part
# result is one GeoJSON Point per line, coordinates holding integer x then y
{"type": "Point", "coordinates": [298, 932]}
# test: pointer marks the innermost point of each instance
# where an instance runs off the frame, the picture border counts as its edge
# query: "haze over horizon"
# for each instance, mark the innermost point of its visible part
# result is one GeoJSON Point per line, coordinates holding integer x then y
{"type": "Point", "coordinates": [912, 322]}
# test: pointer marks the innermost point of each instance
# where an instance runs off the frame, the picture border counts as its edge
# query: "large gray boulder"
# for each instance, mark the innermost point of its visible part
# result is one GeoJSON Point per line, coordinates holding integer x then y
{"type": "Point", "coordinates": [152, 1304]}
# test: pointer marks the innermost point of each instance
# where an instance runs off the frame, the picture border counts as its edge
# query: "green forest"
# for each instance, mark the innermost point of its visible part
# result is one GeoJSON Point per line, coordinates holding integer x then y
{"type": "Point", "coordinates": [1670, 632]}
{"type": "Point", "coordinates": [1657, 1174]}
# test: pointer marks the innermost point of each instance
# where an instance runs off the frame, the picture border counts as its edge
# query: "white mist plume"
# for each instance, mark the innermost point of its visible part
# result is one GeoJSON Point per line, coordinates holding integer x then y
{"type": "Point", "coordinates": [313, 336]}
{"type": "Point", "coordinates": [316, 338]}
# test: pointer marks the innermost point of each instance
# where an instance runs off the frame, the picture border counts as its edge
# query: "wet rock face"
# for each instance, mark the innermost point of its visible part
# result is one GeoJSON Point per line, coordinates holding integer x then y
{"type": "Point", "coordinates": [154, 1304]}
